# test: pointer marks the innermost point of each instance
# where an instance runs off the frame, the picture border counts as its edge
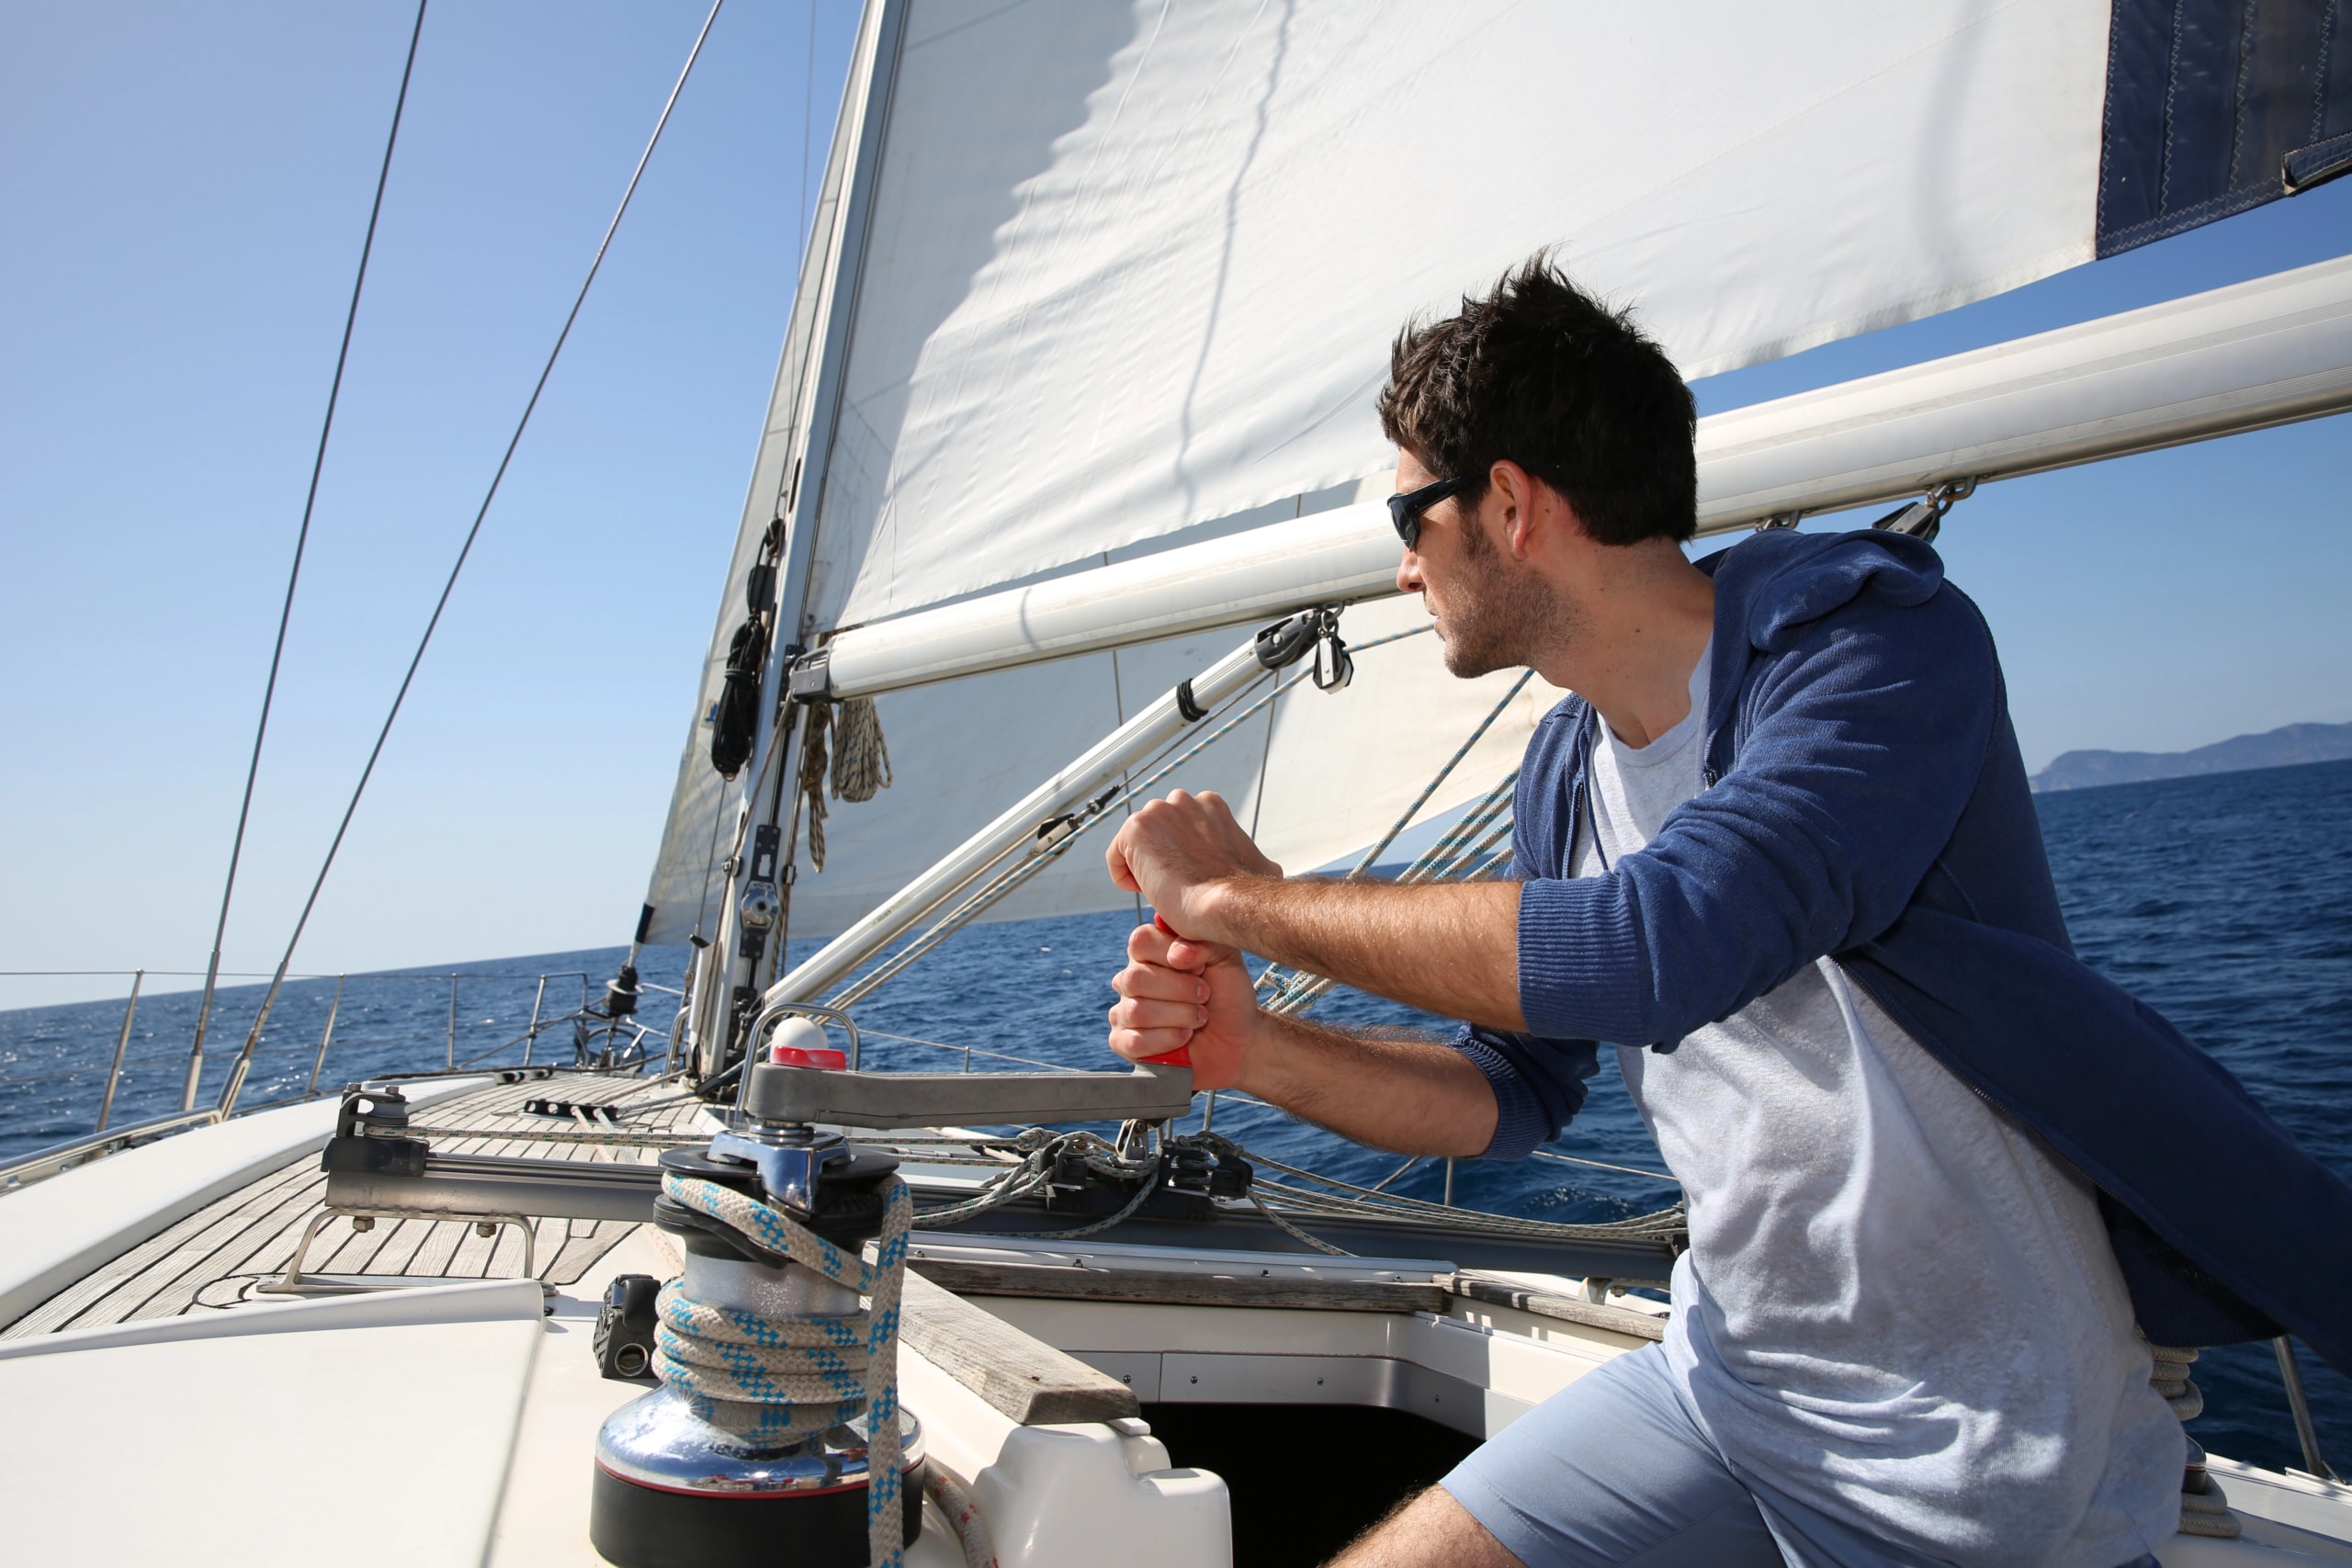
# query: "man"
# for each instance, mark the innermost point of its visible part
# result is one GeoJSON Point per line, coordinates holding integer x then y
{"type": "Point", "coordinates": [1779, 850]}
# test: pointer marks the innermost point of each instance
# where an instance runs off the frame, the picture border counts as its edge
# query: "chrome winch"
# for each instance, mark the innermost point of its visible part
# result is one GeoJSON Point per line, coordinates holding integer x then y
{"type": "Point", "coordinates": [762, 1446]}
{"type": "Point", "coordinates": [756, 1449]}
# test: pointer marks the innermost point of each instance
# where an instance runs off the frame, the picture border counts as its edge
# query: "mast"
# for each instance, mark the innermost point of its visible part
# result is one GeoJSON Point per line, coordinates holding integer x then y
{"type": "Point", "coordinates": [754, 907]}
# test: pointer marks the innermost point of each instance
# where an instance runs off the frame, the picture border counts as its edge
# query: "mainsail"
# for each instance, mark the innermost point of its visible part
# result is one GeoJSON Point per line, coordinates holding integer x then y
{"type": "Point", "coordinates": [1123, 279]}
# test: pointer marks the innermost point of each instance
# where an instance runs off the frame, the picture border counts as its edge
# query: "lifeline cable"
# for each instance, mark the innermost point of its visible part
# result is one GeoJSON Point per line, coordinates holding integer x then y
{"type": "Point", "coordinates": [1295, 990]}
{"type": "Point", "coordinates": [1157, 767]}
{"type": "Point", "coordinates": [1431, 788]}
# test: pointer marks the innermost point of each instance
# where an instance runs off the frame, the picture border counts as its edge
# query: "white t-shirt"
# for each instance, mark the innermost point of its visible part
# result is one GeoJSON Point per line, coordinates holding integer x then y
{"type": "Point", "coordinates": [1898, 1307]}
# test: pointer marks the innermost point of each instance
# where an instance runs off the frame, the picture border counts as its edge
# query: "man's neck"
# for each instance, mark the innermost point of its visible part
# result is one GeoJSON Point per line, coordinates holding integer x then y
{"type": "Point", "coordinates": [1646, 615]}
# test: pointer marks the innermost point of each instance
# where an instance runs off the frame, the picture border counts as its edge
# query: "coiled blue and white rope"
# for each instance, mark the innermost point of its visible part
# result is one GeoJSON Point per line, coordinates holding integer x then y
{"type": "Point", "coordinates": [775, 1381]}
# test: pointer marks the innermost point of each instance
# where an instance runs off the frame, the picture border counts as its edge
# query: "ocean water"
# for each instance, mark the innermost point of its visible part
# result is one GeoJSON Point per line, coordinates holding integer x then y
{"type": "Point", "coordinates": [2223, 902]}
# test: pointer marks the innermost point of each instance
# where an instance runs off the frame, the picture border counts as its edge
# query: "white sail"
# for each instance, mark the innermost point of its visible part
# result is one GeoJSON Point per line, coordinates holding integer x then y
{"type": "Point", "coordinates": [1133, 269]}
{"type": "Point", "coordinates": [686, 881]}
{"type": "Point", "coordinates": [2243, 358]}
{"type": "Point", "coordinates": [2236, 358]}
{"type": "Point", "coordinates": [1128, 275]}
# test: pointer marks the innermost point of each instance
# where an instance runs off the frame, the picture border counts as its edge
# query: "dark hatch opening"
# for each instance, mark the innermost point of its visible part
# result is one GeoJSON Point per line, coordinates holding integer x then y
{"type": "Point", "coordinates": [1307, 1479]}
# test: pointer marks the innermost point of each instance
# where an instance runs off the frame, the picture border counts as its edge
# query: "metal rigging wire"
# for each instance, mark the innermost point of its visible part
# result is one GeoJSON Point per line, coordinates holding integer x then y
{"type": "Point", "coordinates": [1155, 768]}
{"type": "Point", "coordinates": [228, 1091]}
{"type": "Point", "coordinates": [301, 540]}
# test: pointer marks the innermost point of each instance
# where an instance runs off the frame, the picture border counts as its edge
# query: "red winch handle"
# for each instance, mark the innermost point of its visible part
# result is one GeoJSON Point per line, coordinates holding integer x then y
{"type": "Point", "coordinates": [1182, 1055]}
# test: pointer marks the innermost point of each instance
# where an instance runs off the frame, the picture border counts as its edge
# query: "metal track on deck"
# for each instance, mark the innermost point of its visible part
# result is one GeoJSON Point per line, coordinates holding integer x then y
{"type": "Point", "coordinates": [213, 1258]}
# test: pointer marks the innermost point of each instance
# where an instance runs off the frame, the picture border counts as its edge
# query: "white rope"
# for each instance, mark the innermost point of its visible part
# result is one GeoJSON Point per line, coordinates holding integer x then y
{"type": "Point", "coordinates": [1292, 1231]}
{"type": "Point", "coordinates": [1017, 1182]}
{"type": "Point", "coordinates": [1345, 1199]}
{"type": "Point", "coordinates": [955, 1500]}
{"type": "Point", "coordinates": [2170, 1378]}
{"type": "Point", "coordinates": [1602, 1164]}
{"type": "Point", "coordinates": [778, 1380]}
{"type": "Point", "coordinates": [1150, 1185]}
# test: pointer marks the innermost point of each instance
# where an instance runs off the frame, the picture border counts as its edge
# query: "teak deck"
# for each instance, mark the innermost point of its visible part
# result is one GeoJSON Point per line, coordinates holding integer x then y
{"type": "Point", "coordinates": [214, 1258]}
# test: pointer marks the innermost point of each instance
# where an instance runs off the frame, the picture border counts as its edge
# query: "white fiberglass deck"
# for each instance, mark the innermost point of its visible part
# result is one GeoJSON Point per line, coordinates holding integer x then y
{"type": "Point", "coordinates": [453, 1422]}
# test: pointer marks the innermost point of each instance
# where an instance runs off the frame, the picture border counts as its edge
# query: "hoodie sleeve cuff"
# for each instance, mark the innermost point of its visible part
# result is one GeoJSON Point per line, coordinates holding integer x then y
{"type": "Point", "coordinates": [1520, 1123]}
{"type": "Point", "coordinates": [1582, 975]}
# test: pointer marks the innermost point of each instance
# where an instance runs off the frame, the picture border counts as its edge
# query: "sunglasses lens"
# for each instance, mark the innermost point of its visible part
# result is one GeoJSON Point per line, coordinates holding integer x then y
{"type": "Point", "coordinates": [1408, 520]}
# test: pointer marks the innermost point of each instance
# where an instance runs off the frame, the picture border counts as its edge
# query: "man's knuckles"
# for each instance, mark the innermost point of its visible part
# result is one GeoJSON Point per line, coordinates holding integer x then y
{"type": "Point", "coordinates": [1161, 983]}
{"type": "Point", "coordinates": [1134, 1013]}
{"type": "Point", "coordinates": [1189, 957]}
{"type": "Point", "coordinates": [1149, 945]}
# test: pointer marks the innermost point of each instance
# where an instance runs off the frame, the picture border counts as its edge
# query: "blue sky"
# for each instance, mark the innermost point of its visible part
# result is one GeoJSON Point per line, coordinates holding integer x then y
{"type": "Point", "coordinates": [185, 189]}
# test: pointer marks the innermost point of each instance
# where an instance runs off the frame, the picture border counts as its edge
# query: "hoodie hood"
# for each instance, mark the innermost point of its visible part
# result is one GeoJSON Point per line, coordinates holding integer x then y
{"type": "Point", "coordinates": [1776, 582]}
{"type": "Point", "coordinates": [1771, 586]}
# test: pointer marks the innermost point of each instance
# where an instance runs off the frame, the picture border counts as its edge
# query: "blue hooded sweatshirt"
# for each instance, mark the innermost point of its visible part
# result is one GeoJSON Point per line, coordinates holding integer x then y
{"type": "Point", "coordinates": [1867, 801]}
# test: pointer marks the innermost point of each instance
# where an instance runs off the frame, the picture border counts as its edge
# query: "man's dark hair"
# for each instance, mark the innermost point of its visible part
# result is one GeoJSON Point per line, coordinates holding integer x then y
{"type": "Point", "coordinates": [1543, 375]}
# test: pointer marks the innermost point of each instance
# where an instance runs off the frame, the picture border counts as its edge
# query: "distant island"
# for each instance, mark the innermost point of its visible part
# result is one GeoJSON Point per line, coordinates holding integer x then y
{"type": "Point", "coordinates": [2279, 748]}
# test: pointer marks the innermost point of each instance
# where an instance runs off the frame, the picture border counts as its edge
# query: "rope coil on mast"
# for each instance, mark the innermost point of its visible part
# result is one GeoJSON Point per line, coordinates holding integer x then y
{"type": "Point", "coordinates": [812, 784]}
{"type": "Point", "coordinates": [861, 757]}
{"type": "Point", "coordinates": [844, 738]}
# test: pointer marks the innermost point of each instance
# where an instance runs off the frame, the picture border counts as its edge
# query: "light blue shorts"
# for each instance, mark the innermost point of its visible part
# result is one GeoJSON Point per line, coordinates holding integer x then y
{"type": "Point", "coordinates": [1614, 1471]}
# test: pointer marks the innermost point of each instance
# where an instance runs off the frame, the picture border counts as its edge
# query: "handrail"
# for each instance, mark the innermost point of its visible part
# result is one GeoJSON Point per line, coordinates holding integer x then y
{"type": "Point", "coordinates": [63, 1157]}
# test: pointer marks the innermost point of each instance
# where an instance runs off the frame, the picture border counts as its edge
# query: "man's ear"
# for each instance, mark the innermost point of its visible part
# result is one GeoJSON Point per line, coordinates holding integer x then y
{"type": "Point", "coordinates": [1538, 515]}
{"type": "Point", "coordinates": [1518, 489]}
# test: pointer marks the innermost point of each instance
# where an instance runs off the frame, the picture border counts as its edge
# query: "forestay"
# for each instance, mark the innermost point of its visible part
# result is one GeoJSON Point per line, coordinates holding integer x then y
{"type": "Point", "coordinates": [1131, 274]}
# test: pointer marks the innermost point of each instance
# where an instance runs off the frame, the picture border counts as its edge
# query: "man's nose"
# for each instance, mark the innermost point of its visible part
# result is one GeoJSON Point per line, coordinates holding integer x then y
{"type": "Point", "coordinates": [1409, 573]}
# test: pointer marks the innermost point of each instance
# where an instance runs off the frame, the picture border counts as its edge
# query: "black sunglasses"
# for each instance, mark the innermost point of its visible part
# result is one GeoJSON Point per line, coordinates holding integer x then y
{"type": "Point", "coordinates": [1405, 510]}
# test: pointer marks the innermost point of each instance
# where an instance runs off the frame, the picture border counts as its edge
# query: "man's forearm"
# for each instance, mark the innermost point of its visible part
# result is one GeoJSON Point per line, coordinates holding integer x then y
{"type": "Point", "coordinates": [1447, 948]}
{"type": "Point", "coordinates": [1411, 1094]}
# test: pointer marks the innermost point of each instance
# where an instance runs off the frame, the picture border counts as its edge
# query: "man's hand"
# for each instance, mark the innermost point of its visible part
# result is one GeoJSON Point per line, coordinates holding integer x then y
{"type": "Point", "coordinates": [1393, 1090]}
{"type": "Point", "coordinates": [1175, 993]}
{"type": "Point", "coordinates": [1176, 851]}
{"type": "Point", "coordinates": [1448, 948]}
